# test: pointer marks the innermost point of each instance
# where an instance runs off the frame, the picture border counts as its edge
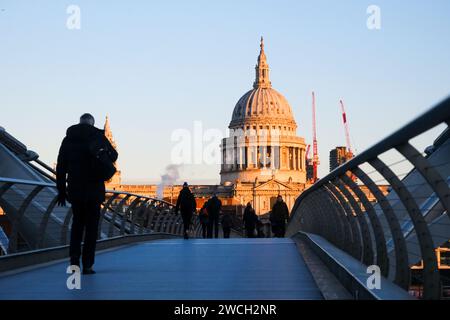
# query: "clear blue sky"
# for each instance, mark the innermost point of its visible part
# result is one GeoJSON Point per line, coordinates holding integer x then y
{"type": "Point", "coordinates": [154, 67]}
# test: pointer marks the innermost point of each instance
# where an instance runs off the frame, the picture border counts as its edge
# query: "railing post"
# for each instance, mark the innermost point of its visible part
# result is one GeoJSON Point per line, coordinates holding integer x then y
{"type": "Point", "coordinates": [363, 227]}
{"type": "Point", "coordinates": [44, 223]}
{"type": "Point", "coordinates": [13, 241]}
{"type": "Point", "coordinates": [105, 208]}
{"type": "Point", "coordinates": [402, 271]}
{"type": "Point", "coordinates": [134, 217]}
{"type": "Point", "coordinates": [380, 240]}
{"type": "Point", "coordinates": [430, 174]}
{"type": "Point", "coordinates": [325, 214]}
{"type": "Point", "coordinates": [332, 206]}
{"type": "Point", "coordinates": [113, 218]}
{"type": "Point", "coordinates": [65, 226]}
{"type": "Point", "coordinates": [357, 249]}
{"type": "Point", "coordinates": [430, 269]}
{"type": "Point", "coordinates": [127, 212]}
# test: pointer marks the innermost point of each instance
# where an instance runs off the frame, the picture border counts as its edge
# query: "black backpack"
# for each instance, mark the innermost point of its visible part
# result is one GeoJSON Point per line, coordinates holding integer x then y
{"type": "Point", "coordinates": [103, 166]}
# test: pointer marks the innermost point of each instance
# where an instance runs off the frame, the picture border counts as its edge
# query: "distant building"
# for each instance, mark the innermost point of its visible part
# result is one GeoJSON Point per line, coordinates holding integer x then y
{"type": "Point", "coordinates": [117, 178]}
{"type": "Point", "coordinates": [262, 158]}
{"type": "Point", "coordinates": [339, 156]}
{"type": "Point", "coordinates": [309, 170]}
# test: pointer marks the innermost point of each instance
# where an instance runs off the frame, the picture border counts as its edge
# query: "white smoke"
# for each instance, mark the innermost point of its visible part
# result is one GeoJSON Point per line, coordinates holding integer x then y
{"type": "Point", "coordinates": [168, 179]}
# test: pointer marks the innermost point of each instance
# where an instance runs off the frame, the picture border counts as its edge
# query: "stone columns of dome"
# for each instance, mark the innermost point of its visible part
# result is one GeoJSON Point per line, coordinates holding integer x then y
{"type": "Point", "coordinates": [264, 156]}
{"type": "Point", "coordinates": [295, 158]}
{"type": "Point", "coordinates": [291, 158]}
{"type": "Point", "coordinates": [272, 157]}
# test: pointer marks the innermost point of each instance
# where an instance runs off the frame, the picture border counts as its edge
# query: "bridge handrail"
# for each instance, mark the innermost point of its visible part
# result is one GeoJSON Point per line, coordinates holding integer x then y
{"type": "Point", "coordinates": [428, 120]}
{"type": "Point", "coordinates": [122, 213]}
{"type": "Point", "coordinates": [336, 208]}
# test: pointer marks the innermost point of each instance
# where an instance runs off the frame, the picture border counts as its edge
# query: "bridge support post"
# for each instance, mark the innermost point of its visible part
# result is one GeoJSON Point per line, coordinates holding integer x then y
{"type": "Point", "coordinates": [13, 241]}
{"type": "Point", "coordinates": [402, 272]}
{"type": "Point", "coordinates": [363, 227]}
{"type": "Point", "coordinates": [380, 240]}
{"type": "Point", "coordinates": [430, 270]}
{"type": "Point", "coordinates": [430, 174]}
{"type": "Point", "coordinates": [357, 248]}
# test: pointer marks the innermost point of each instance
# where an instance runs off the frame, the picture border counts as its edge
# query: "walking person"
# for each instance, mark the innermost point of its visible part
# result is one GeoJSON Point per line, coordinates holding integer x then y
{"type": "Point", "coordinates": [187, 205]}
{"type": "Point", "coordinates": [260, 229]}
{"type": "Point", "coordinates": [213, 206]}
{"type": "Point", "coordinates": [250, 219]}
{"type": "Point", "coordinates": [279, 217]}
{"type": "Point", "coordinates": [227, 224]}
{"type": "Point", "coordinates": [85, 161]}
{"type": "Point", "coordinates": [203, 218]}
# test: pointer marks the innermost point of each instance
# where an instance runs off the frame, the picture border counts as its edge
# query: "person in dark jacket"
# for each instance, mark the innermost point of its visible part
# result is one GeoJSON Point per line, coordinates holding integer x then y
{"type": "Point", "coordinates": [227, 223]}
{"type": "Point", "coordinates": [203, 218]}
{"type": "Point", "coordinates": [187, 205]}
{"type": "Point", "coordinates": [250, 220]}
{"type": "Point", "coordinates": [260, 229]}
{"type": "Point", "coordinates": [213, 206]}
{"type": "Point", "coordinates": [85, 188]}
{"type": "Point", "coordinates": [279, 217]}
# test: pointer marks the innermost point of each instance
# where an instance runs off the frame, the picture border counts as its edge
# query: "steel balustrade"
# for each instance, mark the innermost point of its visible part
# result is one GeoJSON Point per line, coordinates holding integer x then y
{"type": "Point", "coordinates": [337, 209]}
{"type": "Point", "coordinates": [122, 213]}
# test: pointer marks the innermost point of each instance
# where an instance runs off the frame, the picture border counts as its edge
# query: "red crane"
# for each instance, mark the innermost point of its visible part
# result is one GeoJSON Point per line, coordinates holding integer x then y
{"type": "Point", "coordinates": [347, 133]}
{"type": "Point", "coordinates": [315, 159]}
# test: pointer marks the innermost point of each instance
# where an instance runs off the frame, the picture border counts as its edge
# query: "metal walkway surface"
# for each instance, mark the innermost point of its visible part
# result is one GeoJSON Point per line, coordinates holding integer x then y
{"type": "Point", "coordinates": [200, 269]}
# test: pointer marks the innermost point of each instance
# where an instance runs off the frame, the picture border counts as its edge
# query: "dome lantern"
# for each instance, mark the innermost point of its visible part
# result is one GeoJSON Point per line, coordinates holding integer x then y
{"type": "Point", "coordinates": [262, 70]}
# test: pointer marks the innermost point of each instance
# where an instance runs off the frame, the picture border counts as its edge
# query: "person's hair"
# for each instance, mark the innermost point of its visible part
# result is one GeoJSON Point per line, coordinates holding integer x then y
{"type": "Point", "coordinates": [185, 184]}
{"type": "Point", "coordinates": [87, 118]}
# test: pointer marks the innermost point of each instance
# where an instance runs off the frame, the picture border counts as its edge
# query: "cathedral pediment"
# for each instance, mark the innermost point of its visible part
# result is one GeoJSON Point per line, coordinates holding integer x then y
{"type": "Point", "coordinates": [273, 184]}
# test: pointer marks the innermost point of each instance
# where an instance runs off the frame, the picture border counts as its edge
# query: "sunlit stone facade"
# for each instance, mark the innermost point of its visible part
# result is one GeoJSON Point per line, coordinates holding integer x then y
{"type": "Point", "coordinates": [263, 156]}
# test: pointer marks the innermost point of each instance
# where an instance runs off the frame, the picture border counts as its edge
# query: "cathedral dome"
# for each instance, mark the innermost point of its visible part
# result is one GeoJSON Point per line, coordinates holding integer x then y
{"type": "Point", "coordinates": [262, 103]}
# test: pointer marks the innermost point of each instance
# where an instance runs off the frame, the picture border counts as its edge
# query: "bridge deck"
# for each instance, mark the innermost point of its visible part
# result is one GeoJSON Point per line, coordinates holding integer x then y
{"type": "Point", "coordinates": [178, 269]}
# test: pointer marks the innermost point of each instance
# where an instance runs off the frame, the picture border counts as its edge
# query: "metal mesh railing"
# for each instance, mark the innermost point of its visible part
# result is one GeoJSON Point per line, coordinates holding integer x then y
{"type": "Point", "coordinates": [402, 228]}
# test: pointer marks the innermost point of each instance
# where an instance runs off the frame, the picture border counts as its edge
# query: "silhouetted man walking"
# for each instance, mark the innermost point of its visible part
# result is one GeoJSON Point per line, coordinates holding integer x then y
{"type": "Point", "coordinates": [187, 205]}
{"type": "Point", "coordinates": [78, 168]}
{"type": "Point", "coordinates": [250, 219]}
{"type": "Point", "coordinates": [279, 217]}
{"type": "Point", "coordinates": [213, 206]}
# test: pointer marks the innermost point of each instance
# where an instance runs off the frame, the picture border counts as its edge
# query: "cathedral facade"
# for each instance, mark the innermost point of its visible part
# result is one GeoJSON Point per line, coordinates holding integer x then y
{"type": "Point", "coordinates": [262, 158]}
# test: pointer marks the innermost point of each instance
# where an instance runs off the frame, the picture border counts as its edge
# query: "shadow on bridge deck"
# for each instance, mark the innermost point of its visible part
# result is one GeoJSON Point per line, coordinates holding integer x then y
{"type": "Point", "coordinates": [178, 269]}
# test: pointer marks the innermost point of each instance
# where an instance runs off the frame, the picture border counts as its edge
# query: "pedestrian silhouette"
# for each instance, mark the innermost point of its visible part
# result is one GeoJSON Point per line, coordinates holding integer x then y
{"type": "Point", "coordinates": [203, 219]}
{"type": "Point", "coordinates": [186, 205]}
{"type": "Point", "coordinates": [213, 206]}
{"type": "Point", "coordinates": [227, 224]}
{"type": "Point", "coordinates": [279, 217]}
{"type": "Point", "coordinates": [260, 229]}
{"type": "Point", "coordinates": [250, 219]}
{"type": "Point", "coordinates": [85, 161]}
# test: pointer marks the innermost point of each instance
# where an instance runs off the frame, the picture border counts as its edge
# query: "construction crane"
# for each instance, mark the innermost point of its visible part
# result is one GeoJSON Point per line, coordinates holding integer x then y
{"type": "Point", "coordinates": [315, 158]}
{"type": "Point", "coordinates": [308, 148]}
{"type": "Point", "coordinates": [347, 133]}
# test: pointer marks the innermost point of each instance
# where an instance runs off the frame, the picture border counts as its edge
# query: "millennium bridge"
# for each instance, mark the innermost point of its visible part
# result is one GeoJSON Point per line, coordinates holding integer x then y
{"type": "Point", "coordinates": [339, 244]}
